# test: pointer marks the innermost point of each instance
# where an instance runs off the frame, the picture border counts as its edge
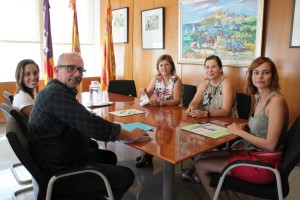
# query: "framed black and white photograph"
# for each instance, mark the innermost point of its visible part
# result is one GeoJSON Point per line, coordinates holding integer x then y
{"type": "Point", "coordinates": [153, 28]}
{"type": "Point", "coordinates": [120, 25]}
{"type": "Point", "coordinates": [295, 30]}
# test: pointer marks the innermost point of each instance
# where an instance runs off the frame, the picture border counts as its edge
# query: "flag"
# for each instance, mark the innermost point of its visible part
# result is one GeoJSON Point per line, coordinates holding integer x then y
{"type": "Point", "coordinates": [48, 52]}
{"type": "Point", "coordinates": [75, 34]}
{"type": "Point", "coordinates": [109, 67]}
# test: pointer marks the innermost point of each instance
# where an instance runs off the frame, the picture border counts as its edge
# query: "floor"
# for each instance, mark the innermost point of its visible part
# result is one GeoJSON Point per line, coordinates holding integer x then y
{"type": "Point", "coordinates": [148, 180]}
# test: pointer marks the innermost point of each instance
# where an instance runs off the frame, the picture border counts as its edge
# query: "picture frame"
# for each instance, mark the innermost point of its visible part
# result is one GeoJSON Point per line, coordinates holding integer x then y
{"type": "Point", "coordinates": [120, 25]}
{"type": "Point", "coordinates": [153, 28]}
{"type": "Point", "coordinates": [229, 29]}
{"type": "Point", "coordinates": [295, 25]}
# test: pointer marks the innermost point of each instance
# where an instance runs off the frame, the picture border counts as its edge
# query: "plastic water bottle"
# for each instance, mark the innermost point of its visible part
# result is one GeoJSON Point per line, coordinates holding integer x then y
{"type": "Point", "coordinates": [94, 90]}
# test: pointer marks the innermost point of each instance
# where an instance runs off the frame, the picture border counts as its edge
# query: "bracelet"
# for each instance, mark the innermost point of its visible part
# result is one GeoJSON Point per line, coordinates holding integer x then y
{"type": "Point", "coordinates": [160, 103]}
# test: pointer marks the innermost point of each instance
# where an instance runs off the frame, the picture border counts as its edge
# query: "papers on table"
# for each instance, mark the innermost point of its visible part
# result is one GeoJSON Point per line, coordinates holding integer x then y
{"type": "Point", "coordinates": [130, 141]}
{"type": "Point", "coordinates": [128, 112]}
{"type": "Point", "coordinates": [134, 125]}
{"type": "Point", "coordinates": [144, 99]}
{"type": "Point", "coordinates": [207, 129]}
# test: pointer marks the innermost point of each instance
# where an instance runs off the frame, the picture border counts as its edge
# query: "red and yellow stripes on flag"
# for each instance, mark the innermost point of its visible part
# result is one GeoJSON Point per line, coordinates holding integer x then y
{"type": "Point", "coordinates": [48, 51]}
{"type": "Point", "coordinates": [109, 67]}
{"type": "Point", "coordinates": [75, 34]}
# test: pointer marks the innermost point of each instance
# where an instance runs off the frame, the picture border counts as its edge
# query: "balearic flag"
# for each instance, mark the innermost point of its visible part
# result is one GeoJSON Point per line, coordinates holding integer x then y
{"type": "Point", "coordinates": [48, 52]}
{"type": "Point", "coordinates": [109, 67]}
{"type": "Point", "coordinates": [75, 34]}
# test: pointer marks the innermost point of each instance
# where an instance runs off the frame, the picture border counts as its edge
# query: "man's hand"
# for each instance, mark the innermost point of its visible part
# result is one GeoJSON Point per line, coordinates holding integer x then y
{"type": "Point", "coordinates": [135, 134]}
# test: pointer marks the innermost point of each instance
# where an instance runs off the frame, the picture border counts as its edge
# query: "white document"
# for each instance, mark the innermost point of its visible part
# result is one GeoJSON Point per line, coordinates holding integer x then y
{"type": "Point", "coordinates": [144, 99]}
{"type": "Point", "coordinates": [128, 112]}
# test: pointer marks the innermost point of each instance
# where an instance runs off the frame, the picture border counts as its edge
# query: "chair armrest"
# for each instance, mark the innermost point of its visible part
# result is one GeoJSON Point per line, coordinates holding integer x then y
{"type": "Point", "coordinates": [14, 172]}
{"type": "Point", "coordinates": [248, 163]}
{"type": "Point", "coordinates": [233, 145]}
{"type": "Point", "coordinates": [81, 170]}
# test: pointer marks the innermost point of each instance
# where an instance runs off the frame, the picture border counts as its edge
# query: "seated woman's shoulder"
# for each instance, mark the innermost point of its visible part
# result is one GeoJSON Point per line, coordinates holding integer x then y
{"type": "Point", "coordinates": [279, 96]}
{"type": "Point", "coordinates": [227, 82]}
{"type": "Point", "coordinates": [278, 99]}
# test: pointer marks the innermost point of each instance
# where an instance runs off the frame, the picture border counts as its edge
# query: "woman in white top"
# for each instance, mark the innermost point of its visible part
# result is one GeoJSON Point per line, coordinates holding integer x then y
{"type": "Point", "coordinates": [27, 79]}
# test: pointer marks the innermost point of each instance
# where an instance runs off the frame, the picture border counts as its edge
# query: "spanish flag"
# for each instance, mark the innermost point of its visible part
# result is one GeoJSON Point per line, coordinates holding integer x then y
{"type": "Point", "coordinates": [75, 34]}
{"type": "Point", "coordinates": [48, 52]}
{"type": "Point", "coordinates": [109, 66]}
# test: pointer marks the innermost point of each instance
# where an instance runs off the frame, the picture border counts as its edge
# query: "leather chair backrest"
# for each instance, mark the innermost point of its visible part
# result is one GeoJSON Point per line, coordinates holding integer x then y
{"type": "Point", "coordinates": [124, 87]}
{"type": "Point", "coordinates": [243, 105]}
{"type": "Point", "coordinates": [188, 94]}
{"type": "Point", "coordinates": [9, 98]}
{"type": "Point", "coordinates": [20, 145]}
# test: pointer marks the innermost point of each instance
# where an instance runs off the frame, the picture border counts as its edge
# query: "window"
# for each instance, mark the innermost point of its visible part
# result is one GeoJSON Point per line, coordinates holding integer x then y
{"type": "Point", "coordinates": [22, 35]}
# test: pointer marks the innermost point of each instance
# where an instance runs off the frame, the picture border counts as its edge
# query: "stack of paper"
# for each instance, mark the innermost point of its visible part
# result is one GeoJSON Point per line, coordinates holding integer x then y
{"type": "Point", "coordinates": [207, 129]}
{"type": "Point", "coordinates": [134, 125]}
{"type": "Point", "coordinates": [123, 113]}
{"type": "Point", "coordinates": [131, 126]}
{"type": "Point", "coordinates": [144, 100]}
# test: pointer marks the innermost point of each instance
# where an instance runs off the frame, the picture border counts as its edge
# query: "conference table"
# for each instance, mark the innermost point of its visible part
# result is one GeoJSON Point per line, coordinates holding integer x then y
{"type": "Point", "coordinates": [169, 142]}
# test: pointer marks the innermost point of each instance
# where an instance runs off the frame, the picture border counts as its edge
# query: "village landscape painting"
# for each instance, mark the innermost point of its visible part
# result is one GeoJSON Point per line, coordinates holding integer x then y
{"type": "Point", "coordinates": [231, 29]}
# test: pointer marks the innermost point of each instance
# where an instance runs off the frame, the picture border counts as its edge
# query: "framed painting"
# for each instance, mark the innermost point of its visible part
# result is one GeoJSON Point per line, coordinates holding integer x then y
{"type": "Point", "coordinates": [153, 28]}
{"type": "Point", "coordinates": [120, 25]}
{"type": "Point", "coordinates": [229, 29]}
{"type": "Point", "coordinates": [295, 27]}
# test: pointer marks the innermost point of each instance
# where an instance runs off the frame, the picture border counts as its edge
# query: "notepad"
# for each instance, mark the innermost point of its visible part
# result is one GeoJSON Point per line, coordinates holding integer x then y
{"type": "Point", "coordinates": [128, 112]}
{"type": "Point", "coordinates": [131, 141]}
{"type": "Point", "coordinates": [207, 129]}
{"type": "Point", "coordinates": [131, 126]}
{"type": "Point", "coordinates": [134, 125]}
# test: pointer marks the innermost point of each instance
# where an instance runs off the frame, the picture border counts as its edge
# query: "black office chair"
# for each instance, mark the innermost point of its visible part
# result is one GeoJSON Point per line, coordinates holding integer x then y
{"type": "Point", "coordinates": [243, 105]}
{"type": "Point", "coordinates": [243, 108]}
{"type": "Point", "coordinates": [9, 98]}
{"type": "Point", "coordinates": [188, 94]}
{"type": "Point", "coordinates": [42, 185]}
{"type": "Point", "coordinates": [279, 188]}
{"type": "Point", "coordinates": [7, 112]}
{"type": "Point", "coordinates": [124, 87]}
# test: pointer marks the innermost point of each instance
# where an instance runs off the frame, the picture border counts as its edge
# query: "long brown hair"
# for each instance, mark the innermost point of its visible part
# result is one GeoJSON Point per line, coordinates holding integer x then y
{"type": "Point", "coordinates": [19, 75]}
{"type": "Point", "coordinates": [250, 88]}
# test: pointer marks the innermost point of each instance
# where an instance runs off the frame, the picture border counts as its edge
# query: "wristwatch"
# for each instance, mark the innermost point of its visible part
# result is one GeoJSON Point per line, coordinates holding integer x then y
{"type": "Point", "coordinates": [208, 114]}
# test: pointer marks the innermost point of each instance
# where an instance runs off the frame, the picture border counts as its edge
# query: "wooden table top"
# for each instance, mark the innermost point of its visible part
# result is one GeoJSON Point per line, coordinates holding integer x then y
{"type": "Point", "coordinates": [169, 142]}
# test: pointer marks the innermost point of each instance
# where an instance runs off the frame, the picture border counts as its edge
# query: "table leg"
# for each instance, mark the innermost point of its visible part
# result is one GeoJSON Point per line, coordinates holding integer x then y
{"type": "Point", "coordinates": [166, 191]}
{"type": "Point", "coordinates": [168, 180]}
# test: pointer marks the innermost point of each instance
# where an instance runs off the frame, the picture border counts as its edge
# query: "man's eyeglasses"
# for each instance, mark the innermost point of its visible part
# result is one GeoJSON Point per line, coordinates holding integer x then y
{"type": "Point", "coordinates": [73, 69]}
